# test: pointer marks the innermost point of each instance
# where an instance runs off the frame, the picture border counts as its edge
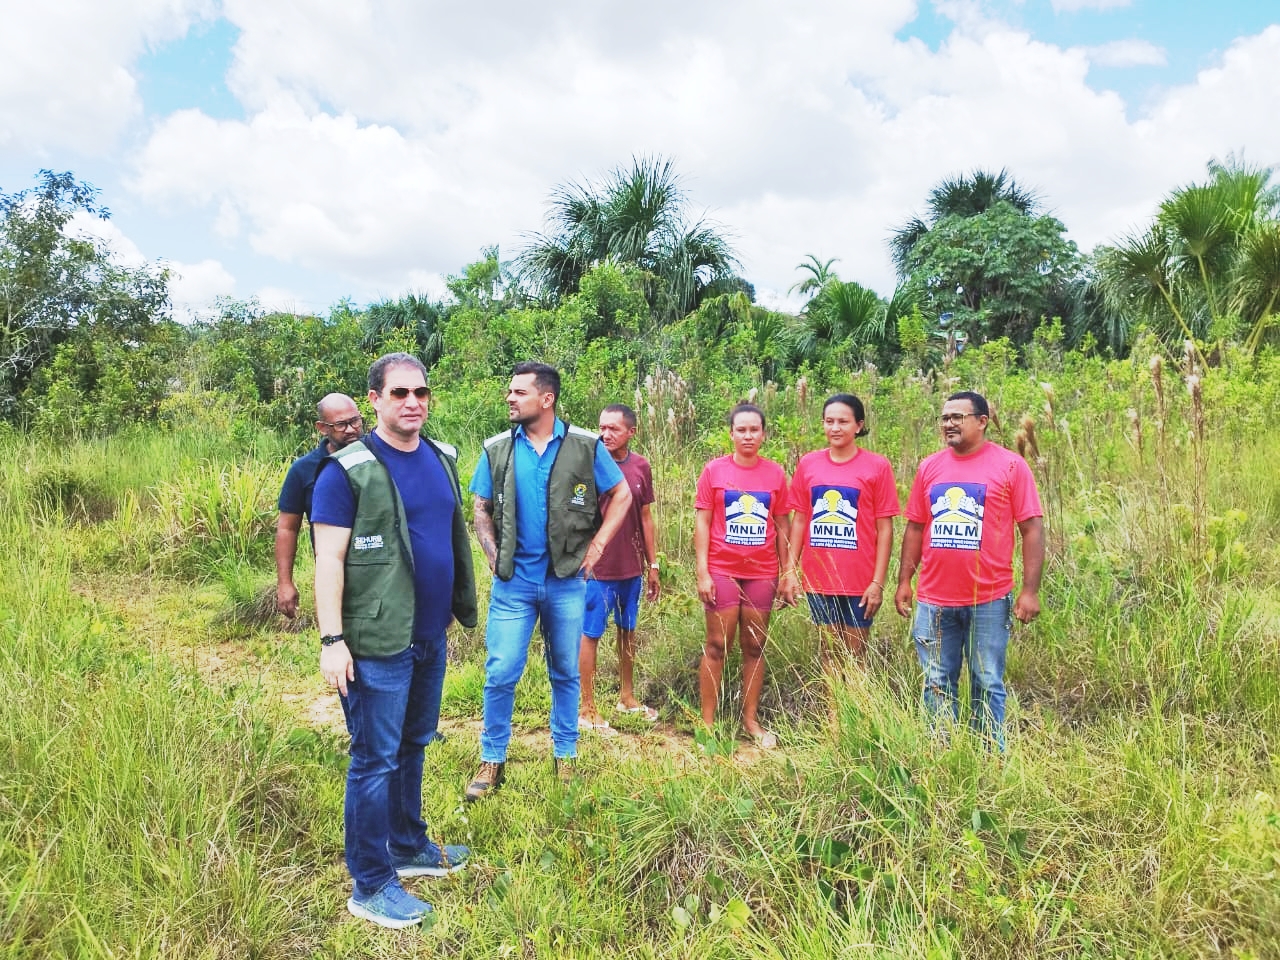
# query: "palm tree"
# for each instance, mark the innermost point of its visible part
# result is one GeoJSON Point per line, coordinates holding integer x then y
{"type": "Point", "coordinates": [1256, 281]}
{"type": "Point", "coordinates": [1210, 262]}
{"type": "Point", "coordinates": [414, 314]}
{"type": "Point", "coordinates": [840, 316]}
{"type": "Point", "coordinates": [959, 196]}
{"type": "Point", "coordinates": [1136, 280]}
{"type": "Point", "coordinates": [819, 274]}
{"type": "Point", "coordinates": [968, 196]}
{"type": "Point", "coordinates": [637, 216]}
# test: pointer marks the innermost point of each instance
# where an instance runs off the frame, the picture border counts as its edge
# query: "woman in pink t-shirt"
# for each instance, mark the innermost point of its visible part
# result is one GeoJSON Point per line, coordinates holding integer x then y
{"type": "Point", "coordinates": [844, 499]}
{"type": "Point", "coordinates": [740, 540]}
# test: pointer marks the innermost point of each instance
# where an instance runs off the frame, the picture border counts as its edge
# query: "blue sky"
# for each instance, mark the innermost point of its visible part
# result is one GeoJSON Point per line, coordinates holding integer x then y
{"type": "Point", "coordinates": [367, 149]}
{"type": "Point", "coordinates": [1191, 35]}
{"type": "Point", "coordinates": [191, 72]}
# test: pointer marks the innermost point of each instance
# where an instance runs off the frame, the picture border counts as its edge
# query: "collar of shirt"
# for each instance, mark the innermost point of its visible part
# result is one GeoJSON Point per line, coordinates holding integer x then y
{"type": "Point", "coordinates": [557, 431]}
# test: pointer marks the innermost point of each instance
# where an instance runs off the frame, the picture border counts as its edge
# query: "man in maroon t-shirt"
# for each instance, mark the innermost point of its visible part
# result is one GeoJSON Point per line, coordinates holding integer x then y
{"type": "Point", "coordinates": [630, 559]}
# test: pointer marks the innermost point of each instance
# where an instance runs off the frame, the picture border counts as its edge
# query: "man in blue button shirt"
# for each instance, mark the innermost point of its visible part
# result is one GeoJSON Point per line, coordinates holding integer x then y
{"type": "Point", "coordinates": [536, 492]}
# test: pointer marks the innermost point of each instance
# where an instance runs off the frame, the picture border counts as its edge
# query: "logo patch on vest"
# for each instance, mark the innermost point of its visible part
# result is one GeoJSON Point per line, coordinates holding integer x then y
{"type": "Point", "coordinates": [373, 542]}
{"type": "Point", "coordinates": [579, 498]}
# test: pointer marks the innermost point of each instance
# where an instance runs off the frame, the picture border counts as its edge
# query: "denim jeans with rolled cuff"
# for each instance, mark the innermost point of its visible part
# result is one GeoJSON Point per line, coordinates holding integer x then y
{"type": "Point", "coordinates": [978, 634]}
{"type": "Point", "coordinates": [392, 709]}
{"type": "Point", "coordinates": [515, 605]}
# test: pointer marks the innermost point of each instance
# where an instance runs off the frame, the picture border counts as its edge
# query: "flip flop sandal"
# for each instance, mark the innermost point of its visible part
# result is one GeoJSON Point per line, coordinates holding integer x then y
{"type": "Point", "coordinates": [650, 715]}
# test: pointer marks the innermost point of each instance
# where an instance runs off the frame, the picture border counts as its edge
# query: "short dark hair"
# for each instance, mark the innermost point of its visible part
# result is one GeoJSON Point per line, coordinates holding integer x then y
{"type": "Point", "coordinates": [979, 402]}
{"type": "Point", "coordinates": [378, 372]}
{"type": "Point", "coordinates": [545, 377]}
{"type": "Point", "coordinates": [854, 404]}
{"type": "Point", "coordinates": [628, 414]}
{"type": "Point", "coordinates": [747, 408]}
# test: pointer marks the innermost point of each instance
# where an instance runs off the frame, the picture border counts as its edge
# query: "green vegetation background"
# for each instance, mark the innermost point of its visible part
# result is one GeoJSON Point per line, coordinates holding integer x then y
{"type": "Point", "coordinates": [173, 768]}
{"type": "Point", "coordinates": [167, 794]}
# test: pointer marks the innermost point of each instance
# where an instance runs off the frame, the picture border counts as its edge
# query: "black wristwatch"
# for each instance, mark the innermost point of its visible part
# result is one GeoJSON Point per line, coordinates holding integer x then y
{"type": "Point", "coordinates": [331, 640]}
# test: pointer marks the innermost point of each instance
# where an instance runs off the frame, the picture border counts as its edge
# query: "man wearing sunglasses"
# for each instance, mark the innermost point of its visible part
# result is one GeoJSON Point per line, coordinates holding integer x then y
{"type": "Point", "coordinates": [964, 505]}
{"type": "Point", "coordinates": [339, 423]}
{"type": "Point", "coordinates": [393, 569]}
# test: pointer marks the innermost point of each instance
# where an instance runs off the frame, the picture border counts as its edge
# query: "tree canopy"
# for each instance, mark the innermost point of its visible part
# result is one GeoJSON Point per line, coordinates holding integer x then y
{"type": "Point", "coordinates": [841, 317]}
{"type": "Point", "coordinates": [997, 273]}
{"type": "Point", "coordinates": [963, 195]}
{"type": "Point", "coordinates": [986, 260]}
{"type": "Point", "coordinates": [637, 216]}
{"type": "Point", "coordinates": [1208, 267]}
{"type": "Point", "coordinates": [624, 284]}
{"type": "Point", "coordinates": [57, 283]}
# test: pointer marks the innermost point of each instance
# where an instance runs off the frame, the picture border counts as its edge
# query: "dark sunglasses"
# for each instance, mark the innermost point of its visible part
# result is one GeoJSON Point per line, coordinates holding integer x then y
{"type": "Point", "coordinates": [400, 393]}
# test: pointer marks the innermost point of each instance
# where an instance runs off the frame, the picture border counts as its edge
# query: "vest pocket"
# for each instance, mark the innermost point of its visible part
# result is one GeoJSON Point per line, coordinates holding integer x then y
{"type": "Point", "coordinates": [362, 609]}
{"type": "Point", "coordinates": [368, 557]}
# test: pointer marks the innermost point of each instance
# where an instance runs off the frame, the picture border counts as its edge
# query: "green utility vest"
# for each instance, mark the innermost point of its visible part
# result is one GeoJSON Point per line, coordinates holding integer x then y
{"type": "Point", "coordinates": [573, 510]}
{"type": "Point", "coordinates": [378, 596]}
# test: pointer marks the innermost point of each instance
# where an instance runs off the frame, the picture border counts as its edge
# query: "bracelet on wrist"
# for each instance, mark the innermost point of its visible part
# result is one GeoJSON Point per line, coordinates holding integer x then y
{"type": "Point", "coordinates": [330, 640]}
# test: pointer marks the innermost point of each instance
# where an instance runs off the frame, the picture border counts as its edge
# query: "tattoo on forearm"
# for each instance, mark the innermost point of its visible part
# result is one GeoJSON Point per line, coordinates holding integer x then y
{"type": "Point", "coordinates": [485, 534]}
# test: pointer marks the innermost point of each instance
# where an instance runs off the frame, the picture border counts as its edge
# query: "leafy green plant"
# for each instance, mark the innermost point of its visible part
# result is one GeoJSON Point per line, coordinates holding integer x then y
{"type": "Point", "coordinates": [218, 514]}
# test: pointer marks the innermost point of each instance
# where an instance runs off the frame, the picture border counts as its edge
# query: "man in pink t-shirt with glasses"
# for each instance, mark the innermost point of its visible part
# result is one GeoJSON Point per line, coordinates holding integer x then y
{"type": "Point", "coordinates": [961, 514]}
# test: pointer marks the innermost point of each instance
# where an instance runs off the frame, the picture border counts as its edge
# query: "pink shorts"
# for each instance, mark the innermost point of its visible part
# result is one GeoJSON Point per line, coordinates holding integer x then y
{"type": "Point", "coordinates": [751, 594]}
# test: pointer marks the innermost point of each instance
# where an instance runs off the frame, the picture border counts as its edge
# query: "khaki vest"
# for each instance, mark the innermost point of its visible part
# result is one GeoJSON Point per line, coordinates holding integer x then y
{"type": "Point", "coordinates": [573, 511]}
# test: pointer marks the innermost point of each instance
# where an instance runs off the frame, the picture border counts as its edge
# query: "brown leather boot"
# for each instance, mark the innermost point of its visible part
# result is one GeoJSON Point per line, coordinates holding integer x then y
{"type": "Point", "coordinates": [486, 781]}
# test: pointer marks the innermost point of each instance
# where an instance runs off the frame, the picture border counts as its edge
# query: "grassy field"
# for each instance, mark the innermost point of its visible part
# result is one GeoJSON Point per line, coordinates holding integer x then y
{"type": "Point", "coordinates": [173, 766]}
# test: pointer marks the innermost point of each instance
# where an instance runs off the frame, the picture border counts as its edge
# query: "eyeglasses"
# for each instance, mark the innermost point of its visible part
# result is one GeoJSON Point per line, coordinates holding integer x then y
{"type": "Point", "coordinates": [400, 393]}
{"type": "Point", "coordinates": [948, 419]}
{"type": "Point", "coordinates": [352, 424]}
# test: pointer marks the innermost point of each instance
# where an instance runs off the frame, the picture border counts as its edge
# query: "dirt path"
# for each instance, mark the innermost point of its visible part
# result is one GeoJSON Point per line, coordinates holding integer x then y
{"type": "Point", "coordinates": [188, 624]}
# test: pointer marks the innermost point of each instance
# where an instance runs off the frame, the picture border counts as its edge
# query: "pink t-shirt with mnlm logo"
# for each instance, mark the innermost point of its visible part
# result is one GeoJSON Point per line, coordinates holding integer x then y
{"type": "Point", "coordinates": [746, 505]}
{"type": "Point", "coordinates": [841, 503]}
{"type": "Point", "coordinates": [968, 507]}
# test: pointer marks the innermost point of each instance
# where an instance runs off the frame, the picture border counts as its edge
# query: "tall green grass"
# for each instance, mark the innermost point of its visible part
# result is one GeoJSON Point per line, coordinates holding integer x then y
{"type": "Point", "coordinates": [147, 810]}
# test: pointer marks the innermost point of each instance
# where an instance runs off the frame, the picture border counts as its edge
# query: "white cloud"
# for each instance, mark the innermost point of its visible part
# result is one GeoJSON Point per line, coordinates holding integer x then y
{"type": "Point", "coordinates": [121, 248]}
{"type": "Point", "coordinates": [1126, 53]}
{"type": "Point", "coordinates": [65, 68]}
{"type": "Point", "coordinates": [286, 301]}
{"type": "Point", "coordinates": [387, 144]}
{"type": "Point", "coordinates": [194, 286]}
{"type": "Point", "coordinates": [321, 191]}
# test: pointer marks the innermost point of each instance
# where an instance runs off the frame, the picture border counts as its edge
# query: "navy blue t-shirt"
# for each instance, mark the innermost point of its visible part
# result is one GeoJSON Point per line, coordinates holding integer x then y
{"type": "Point", "coordinates": [423, 484]}
{"type": "Point", "coordinates": [295, 494]}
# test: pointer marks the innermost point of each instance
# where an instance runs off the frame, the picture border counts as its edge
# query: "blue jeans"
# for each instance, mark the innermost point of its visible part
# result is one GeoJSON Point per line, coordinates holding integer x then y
{"type": "Point", "coordinates": [392, 709]}
{"type": "Point", "coordinates": [979, 634]}
{"type": "Point", "coordinates": [514, 606]}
